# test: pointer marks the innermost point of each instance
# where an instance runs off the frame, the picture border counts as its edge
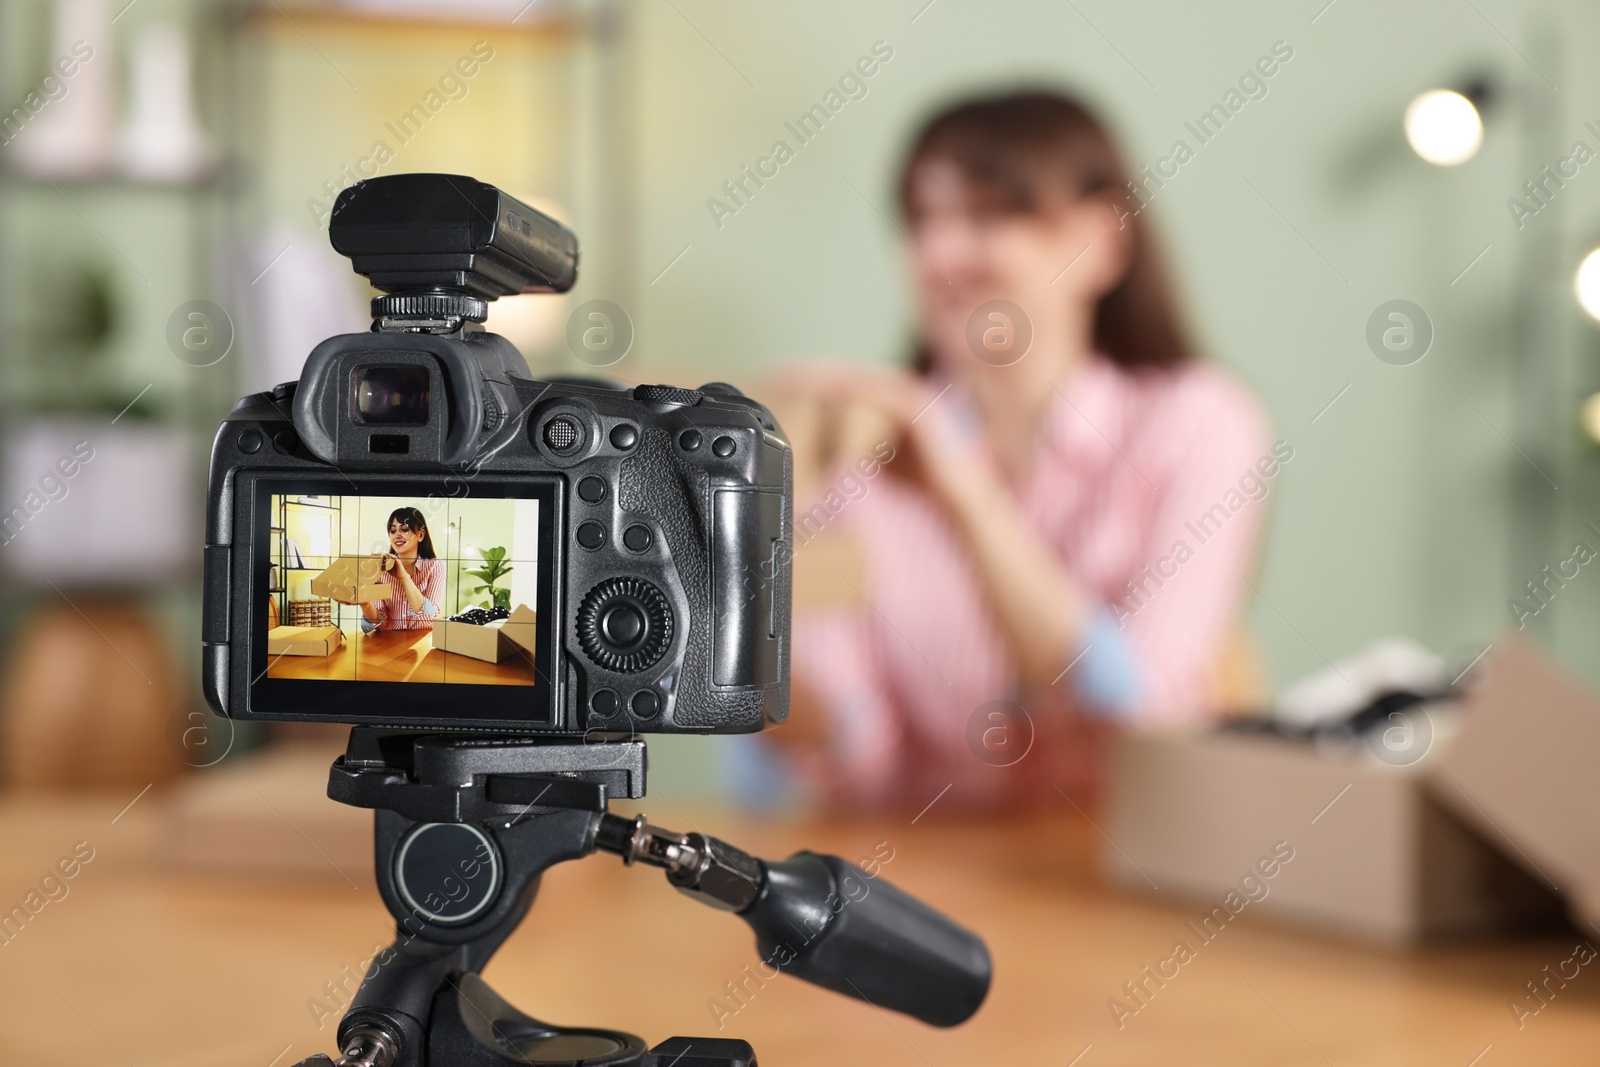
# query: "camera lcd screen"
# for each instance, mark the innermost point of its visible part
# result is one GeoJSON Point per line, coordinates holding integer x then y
{"type": "Point", "coordinates": [385, 600]}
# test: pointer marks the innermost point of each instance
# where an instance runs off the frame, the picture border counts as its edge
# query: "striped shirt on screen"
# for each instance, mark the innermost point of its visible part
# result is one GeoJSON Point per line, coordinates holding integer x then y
{"type": "Point", "coordinates": [394, 612]}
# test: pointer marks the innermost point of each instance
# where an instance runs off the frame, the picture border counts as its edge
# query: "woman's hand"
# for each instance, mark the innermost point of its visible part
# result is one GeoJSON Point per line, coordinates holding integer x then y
{"type": "Point", "coordinates": [395, 565]}
{"type": "Point", "coordinates": [1035, 599]}
{"type": "Point", "coordinates": [930, 450]}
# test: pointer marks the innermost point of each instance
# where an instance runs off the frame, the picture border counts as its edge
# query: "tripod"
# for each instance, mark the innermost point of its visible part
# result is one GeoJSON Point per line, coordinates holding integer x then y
{"type": "Point", "coordinates": [465, 827]}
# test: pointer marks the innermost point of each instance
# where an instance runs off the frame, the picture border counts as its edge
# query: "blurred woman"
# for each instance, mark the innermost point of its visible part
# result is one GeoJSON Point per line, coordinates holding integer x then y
{"type": "Point", "coordinates": [1064, 524]}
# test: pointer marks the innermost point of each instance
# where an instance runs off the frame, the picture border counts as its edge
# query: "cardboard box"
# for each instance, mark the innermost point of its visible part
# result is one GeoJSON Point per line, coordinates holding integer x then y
{"type": "Point", "coordinates": [491, 642]}
{"type": "Point", "coordinates": [1475, 836]}
{"type": "Point", "coordinates": [1522, 773]}
{"type": "Point", "coordinates": [352, 580]}
{"type": "Point", "coordinates": [303, 640]}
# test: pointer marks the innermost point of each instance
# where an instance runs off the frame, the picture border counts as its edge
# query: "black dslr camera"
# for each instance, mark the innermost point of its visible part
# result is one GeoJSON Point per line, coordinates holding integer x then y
{"type": "Point", "coordinates": [641, 533]}
{"type": "Point", "coordinates": [501, 582]}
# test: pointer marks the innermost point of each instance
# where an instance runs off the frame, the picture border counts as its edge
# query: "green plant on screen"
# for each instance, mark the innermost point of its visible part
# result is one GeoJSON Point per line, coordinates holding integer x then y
{"type": "Point", "coordinates": [494, 568]}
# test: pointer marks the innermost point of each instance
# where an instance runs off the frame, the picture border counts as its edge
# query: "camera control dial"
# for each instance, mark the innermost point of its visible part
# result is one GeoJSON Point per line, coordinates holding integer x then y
{"type": "Point", "coordinates": [668, 394]}
{"type": "Point", "coordinates": [625, 624]}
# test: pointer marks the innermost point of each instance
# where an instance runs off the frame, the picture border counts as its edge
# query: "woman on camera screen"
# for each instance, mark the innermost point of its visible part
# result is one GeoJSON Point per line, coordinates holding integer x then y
{"type": "Point", "coordinates": [1055, 514]}
{"type": "Point", "coordinates": [414, 574]}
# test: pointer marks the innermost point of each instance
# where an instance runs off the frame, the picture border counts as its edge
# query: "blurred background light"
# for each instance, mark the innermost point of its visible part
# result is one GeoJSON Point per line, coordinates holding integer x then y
{"type": "Point", "coordinates": [1444, 127]}
{"type": "Point", "coordinates": [1587, 284]}
{"type": "Point", "coordinates": [1591, 417]}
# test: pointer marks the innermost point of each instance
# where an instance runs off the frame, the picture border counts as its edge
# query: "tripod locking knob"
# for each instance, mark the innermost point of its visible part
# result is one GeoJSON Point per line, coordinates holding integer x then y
{"type": "Point", "coordinates": [364, 1046]}
{"type": "Point", "coordinates": [711, 871]}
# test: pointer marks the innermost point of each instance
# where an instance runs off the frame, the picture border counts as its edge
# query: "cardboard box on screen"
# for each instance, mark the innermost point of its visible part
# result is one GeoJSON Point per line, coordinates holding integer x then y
{"type": "Point", "coordinates": [303, 640]}
{"type": "Point", "coordinates": [1474, 837]}
{"type": "Point", "coordinates": [491, 642]}
{"type": "Point", "coordinates": [352, 580]}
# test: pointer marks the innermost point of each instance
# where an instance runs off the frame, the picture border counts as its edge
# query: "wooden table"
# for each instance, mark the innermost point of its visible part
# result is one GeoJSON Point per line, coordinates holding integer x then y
{"type": "Point", "coordinates": [146, 965]}
{"type": "Point", "coordinates": [402, 656]}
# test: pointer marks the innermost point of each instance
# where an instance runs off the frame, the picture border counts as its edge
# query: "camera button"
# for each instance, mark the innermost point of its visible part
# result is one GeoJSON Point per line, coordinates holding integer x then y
{"type": "Point", "coordinates": [605, 703]}
{"type": "Point", "coordinates": [592, 490]}
{"type": "Point", "coordinates": [636, 537]}
{"type": "Point", "coordinates": [690, 440]}
{"type": "Point", "coordinates": [622, 625]}
{"type": "Point", "coordinates": [591, 535]}
{"type": "Point", "coordinates": [723, 446]}
{"type": "Point", "coordinates": [646, 704]}
{"type": "Point", "coordinates": [285, 441]}
{"type": "Point", "coordinates": [563, 435]}
{"type": "Point", "coordinates": [250, 442]}
{"type": "Point", "coordinates": [624, 436]}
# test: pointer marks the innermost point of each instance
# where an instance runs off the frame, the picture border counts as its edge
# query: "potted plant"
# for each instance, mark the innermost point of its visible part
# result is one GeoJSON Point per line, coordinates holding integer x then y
{"type": "Point", "coordinates": [494, 568]}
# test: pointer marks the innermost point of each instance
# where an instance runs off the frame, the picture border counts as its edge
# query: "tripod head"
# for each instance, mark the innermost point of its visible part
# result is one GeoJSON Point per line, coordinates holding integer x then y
{"type": "Point", "coordinates": [465, 826]}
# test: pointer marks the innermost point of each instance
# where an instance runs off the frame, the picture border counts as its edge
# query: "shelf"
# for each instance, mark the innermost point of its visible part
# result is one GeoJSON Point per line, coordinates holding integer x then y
{"type": "Point", "coordinates": [110, 182]}
{"type": "Point", "coordinates": [305, 504]}
{"type": "Point", "coordinates": [560, 26]}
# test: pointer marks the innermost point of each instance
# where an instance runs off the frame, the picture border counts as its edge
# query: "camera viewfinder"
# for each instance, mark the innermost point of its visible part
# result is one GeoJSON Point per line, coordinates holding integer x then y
{"type": "Point", "coordinates": [391, 396]}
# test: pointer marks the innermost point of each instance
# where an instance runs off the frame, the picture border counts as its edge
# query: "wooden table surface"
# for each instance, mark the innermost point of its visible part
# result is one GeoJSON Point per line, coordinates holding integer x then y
{"type": "Point", "coordinates": [145, 965]}
{"type": "Point", "coordinates": [402, 656]}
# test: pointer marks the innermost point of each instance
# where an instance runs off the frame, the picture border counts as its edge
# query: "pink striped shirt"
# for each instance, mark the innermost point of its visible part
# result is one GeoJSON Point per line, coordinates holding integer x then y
{"type": "Point", "coordinates": [1149, 488]}
{"type": "Point", "coordinates": [395, 613]}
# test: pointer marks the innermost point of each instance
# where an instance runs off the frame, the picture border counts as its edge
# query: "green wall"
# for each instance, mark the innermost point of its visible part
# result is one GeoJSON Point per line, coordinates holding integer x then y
{"type": "Point", "coordinates": [1407, 509]}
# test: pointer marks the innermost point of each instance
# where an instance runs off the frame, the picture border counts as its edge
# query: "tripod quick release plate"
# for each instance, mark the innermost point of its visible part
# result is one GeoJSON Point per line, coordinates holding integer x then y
{"type": "Point", "coordinates": [460, 779]}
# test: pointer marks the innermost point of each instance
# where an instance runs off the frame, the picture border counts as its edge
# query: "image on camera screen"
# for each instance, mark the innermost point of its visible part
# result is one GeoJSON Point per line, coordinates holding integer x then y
{"type": "Point", "coordinates": [402, 588]}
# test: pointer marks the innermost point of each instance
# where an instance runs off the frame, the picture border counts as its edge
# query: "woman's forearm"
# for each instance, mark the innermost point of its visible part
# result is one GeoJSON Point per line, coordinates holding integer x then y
{"type": "Point", "coordinates": [1039, 604]}
{"type": "Point", "coordinates": [370, 612]}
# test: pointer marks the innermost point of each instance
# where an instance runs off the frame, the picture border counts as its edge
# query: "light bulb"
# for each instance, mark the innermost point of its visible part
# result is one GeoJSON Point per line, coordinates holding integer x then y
{"type": "Point", "coordinates": [1444, 127]}
{"type": "Point", "coordinates": [1587, 284]}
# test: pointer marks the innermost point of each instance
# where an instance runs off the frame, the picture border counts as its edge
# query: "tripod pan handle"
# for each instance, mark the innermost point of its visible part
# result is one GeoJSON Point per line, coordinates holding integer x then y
{"type": "Point", "coordinates": [827, 921]}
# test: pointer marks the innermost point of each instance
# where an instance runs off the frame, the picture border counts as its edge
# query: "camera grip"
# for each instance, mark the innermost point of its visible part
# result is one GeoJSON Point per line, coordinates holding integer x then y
{"type": "Point", "coordinates": [827, 921]}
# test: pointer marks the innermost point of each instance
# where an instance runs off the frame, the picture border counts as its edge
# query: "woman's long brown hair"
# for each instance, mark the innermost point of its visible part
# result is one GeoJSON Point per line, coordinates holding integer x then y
{"type": "Point", "coordinates": [1024, 152]}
